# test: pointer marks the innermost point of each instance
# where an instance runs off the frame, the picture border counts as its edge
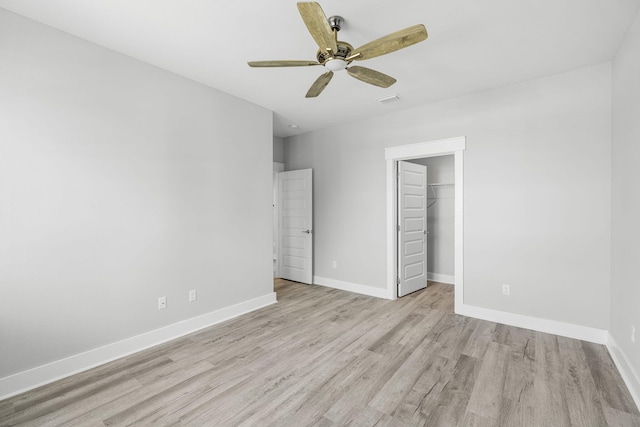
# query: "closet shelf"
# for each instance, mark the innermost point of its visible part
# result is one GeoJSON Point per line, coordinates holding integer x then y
{"type": "Point", "coordinates": [435, 196]}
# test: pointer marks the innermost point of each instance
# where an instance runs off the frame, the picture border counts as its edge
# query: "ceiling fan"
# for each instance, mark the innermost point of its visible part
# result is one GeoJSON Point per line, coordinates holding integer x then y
{"type": "Point", "coordinates": [336, 55]}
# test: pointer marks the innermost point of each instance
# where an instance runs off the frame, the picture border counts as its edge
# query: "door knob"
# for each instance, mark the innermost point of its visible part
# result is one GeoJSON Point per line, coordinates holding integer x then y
{"type": "Point", "coordinates": [306, 231]}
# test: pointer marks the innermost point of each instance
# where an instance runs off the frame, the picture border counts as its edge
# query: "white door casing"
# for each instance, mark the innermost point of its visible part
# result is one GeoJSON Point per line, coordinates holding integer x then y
{"type": "Point", "coordinates": [277, 168]}
{"type": "Point", "coordinates": [295, 223]}
{"type": "Point", "coordinates": [412, 227]}
{"type": "Point", "coordinates": [442, 147]}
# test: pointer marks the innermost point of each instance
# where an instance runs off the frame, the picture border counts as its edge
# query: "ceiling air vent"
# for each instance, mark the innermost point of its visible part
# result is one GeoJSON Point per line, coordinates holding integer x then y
{"type": "Point", "coordinates": [388, 99]}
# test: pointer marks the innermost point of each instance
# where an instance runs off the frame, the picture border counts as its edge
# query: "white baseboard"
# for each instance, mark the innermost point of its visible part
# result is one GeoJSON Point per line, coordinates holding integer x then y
{"type": "Point", "coordinates": [441, 278]}
{"type": "Point", "coordinates": [598, 336]}
{"type": "Point", "coordinates": [351, 287]}
{"type": "Point", "coordinates": [41, 375]}
{"type": "Point", "coordinates": [629, 375]}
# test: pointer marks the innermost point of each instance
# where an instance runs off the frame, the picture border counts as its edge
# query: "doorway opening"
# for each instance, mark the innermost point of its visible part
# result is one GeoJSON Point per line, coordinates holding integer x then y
{"type": "Point", "coordinates": [426, 221]}
{"type": "Point", "coordinates": [293, 224]}
{"type": "Point", "coordinates": [452, 146]}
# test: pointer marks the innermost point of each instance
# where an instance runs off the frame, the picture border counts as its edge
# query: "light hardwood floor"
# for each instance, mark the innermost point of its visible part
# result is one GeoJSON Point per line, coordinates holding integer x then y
{"type": "Point", "coordinates": [325, 357]}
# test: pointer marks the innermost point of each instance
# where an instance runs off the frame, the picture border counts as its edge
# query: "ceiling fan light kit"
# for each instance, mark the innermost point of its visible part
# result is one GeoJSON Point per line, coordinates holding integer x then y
{"type": "Point", "coordinates": [336, 55]}
{"type": "Point", "coordinates": [335, 64]}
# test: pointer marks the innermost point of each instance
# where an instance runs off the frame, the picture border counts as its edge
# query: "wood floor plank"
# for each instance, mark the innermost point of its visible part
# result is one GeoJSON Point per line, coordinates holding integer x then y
{"type": "Point", "coordinates": [453, 333]}
{"type": "Point", "coordinates": [620, 419]}
{"type": "Point", "coordinates": [361, 388]}
{"type": "Point", "coordinates": [394, 391]}
{"type": "Point", "coordinates": [392, 338]}
{"type": "Point", "coordinates": [324, 357]}
{"type": "Point", "coordinates": [486, 398]}
{"type": "Point", "coordinates": [609, 383]}
{"type": "Point", "coordinates": [582, 395]}
{"type": "Point", "coordinates": [104, 409]}
{"type": "Point", "coordinates": [195, 395]}
{"type": "Point", "coordinates": [167, 393]}
{"type": "Point", "coordinates": [6, 409]}
{"type": "Point", "coordinates": [519, 381]}
{"type": "Point", "coordinates": [516, 413]}
{"type": "Point", "coordinates": [474, 420]}
{"type": "Point", "coordinates": [426, 389]}
{"type": "Point", "coordinates": [448, 407]}
{"type": "Point", "coordinates": [60, 414]}
{"type": "Point", "coordinates": [367, 417]}
{"type": "Point", "coordinates": [304, 402]}
{"type": "Point", "coordinates": [479, 339]}
{"type": "Point", "coordinates": [323, 422]}
{"type": "Point", "coordinates": [550, 398]}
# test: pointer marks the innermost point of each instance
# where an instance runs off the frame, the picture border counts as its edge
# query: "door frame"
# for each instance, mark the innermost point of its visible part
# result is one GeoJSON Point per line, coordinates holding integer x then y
{"type": "Point", "coordinates": [277, 168]}
{"type": "Point", "coordinates": [441, 147]}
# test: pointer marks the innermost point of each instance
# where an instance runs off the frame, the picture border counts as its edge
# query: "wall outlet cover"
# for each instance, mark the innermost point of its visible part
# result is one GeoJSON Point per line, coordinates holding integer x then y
{"type": "Point", "coordinates": [193, 295]}
{"type": "Point", "coordinates": [506, 290]}
{"type": "Point", "coordinates": [162, 303]}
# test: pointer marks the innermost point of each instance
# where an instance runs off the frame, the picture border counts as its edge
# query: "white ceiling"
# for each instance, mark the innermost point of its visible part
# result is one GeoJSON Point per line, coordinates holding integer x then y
{"type": "Point", "coordinates": [472, 45]}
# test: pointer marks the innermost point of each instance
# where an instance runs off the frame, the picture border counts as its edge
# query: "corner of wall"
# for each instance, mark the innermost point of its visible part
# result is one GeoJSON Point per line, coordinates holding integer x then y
{"type": "Point", "coordinates": [629, 375]}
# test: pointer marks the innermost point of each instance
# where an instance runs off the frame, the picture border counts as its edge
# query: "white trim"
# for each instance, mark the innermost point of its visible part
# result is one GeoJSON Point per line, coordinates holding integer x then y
{"type": "Point", "coordinates": [458, 292]}
{"type": "Point", "coordinates": [277, 168]}
{"type": "Point", "coordinates": [629, 375]}
{"type": "Point", "coordinates": [584, 333]}
{"type": "Point", "coordinates": [441, 278]}
{"type": "Point", "coordinates": [442, 147]}
{"type": "Point", "coordinates": [439, 147]}
{"type": "Point", "coordinates": [41, 375]}
{"type": "Point", "coordinates": [351, 287]}
{"type": "Point", "coordinates": [392, 235]}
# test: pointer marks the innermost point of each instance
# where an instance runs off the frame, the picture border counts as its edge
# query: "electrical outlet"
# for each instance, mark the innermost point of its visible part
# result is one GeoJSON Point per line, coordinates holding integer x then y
{"type": "Point", "coordinates": [633, 334]}
{"type": "Point", "coordinates": [335, 264]}
{"type": "Point", "coordinates": [193, 295]}
{"type": "Point", "coordinates": [162, 303]}
{"type": "Point", "coordinates": [506, 290]}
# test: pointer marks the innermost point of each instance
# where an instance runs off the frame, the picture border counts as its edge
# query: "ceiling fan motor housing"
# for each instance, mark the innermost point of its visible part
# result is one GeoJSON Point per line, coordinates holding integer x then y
{"type": "Point", "coordinates": [344, 51]}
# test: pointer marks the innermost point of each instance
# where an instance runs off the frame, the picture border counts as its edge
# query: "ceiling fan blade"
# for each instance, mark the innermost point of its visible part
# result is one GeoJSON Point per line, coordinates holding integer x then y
{"type": "Point", "coordinates": [318, 25]}
{"type": "Point", "coordinates": [370, 76]}
{"type": "Point", "coordinates": [282, 63]}
{"type": "Point", "coordinates": [318, 86]}
{"type": "Point", "coordinates": [392, 42]}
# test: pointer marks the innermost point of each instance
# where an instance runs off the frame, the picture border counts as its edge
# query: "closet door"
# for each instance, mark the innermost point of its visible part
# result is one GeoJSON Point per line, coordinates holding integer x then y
{"type": "Point", "coordinates": [412, 227]}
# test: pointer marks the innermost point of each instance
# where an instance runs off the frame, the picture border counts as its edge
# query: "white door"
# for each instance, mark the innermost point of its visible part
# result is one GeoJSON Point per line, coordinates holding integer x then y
{"type": "Point", "coordinates": [295, 225]}
{"type": "Point", "coordinates": [412, 227]}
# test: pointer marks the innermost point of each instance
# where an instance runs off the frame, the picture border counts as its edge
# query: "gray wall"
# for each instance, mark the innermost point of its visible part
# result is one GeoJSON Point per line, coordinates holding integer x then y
{"type": "Point", "coordinates": [625, 184]}
{"type": "Point", "coordinates": [119, 183]}
{"type": "Point", "coordinates": [278, 149]}
{"type": "Point", "coordinates": [536, 177]}
{"type": "Point", "coordinates": [440, 215]}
